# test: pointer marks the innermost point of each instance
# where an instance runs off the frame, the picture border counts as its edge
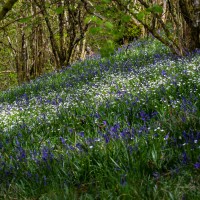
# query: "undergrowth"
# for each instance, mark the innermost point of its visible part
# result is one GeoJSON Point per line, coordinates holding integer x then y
{"type": "Point", "coordinates": [125, 127]}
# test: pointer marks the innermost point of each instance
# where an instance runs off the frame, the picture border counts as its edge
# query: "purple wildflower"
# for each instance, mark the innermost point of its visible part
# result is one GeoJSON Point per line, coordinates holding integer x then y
{"type": "Point", "coordinates": [185, 158]}
{"type": "Point", "coordinates": [104, 123]}
{"type": "Point", "coordinates": [166, 137]}
{"type": "Point", "coordinates": [163, 73]}
{"type": "Point", "coordinates": [81, 134]}
{"type": "Point", "coordinates": [62, 140]}
{"type": "Point", "coordinates": [197, 165]}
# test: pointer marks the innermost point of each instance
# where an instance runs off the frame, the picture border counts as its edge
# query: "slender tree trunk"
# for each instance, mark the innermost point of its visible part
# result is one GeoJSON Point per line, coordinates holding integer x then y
{"type": "Point", "coordinates": [61, 36]}
{"type": "Point", "coordinates": [83, 46]}
{"type": "Point", "coordinates": [21, 61]}
{"type": "Point", "coordinates": [40, 44]}
{"type": "Point", "coordinates": [36, 45]}
{"type": "Point", "coordinates": [54, 44]}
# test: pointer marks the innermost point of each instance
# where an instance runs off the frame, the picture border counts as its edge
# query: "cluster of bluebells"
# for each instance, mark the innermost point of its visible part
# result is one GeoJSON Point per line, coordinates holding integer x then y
{"type": "Point", "coordinates": [96, 102]}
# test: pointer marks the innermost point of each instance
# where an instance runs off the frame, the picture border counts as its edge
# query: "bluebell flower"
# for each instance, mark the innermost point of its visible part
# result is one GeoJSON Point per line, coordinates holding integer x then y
{"type": "Point", "coordinates": [144, 116]}
{"type": "Point", "coordinates": [185, 158]}
{"type": "Point", "coordinates": [47, 154]}
{"type": "Point", "coordinates": [104, 123]}
{"type": "Point", "coordinates": [197, 165]}
{"type": "Point", "coordinates": [107, 138]}
{"type": "Point", "coordinates": [166, 137]}
{"type": "Point", "coordinates": [163, 73]}
{"type": "Point", "coordinates": [62, 140]}
{"type": "Point", "coordinates": [81, 133]}
{"type": "Point", "coordinates": [115, 128]}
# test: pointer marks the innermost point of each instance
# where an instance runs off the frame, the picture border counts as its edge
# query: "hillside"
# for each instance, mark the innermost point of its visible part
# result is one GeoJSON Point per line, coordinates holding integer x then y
{"type": "Point", "coordinates": [125, 127]}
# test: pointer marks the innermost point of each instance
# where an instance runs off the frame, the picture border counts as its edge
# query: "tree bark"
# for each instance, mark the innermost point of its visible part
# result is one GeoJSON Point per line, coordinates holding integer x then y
{"type": "Point", "coordinates": [190, 13]}
{"type": "Point", "coordinates": [62, 56]}
{"type": "Point", "coordinates": [7, 7]}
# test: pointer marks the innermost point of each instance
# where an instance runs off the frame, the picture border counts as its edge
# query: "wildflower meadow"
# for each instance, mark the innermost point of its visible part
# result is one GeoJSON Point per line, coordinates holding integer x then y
{"type": "Point", "coordinates": [122, 127]}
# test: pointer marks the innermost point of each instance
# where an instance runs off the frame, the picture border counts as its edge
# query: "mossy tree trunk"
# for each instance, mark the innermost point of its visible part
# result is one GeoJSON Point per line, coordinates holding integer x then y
{"type": "Point", "coordinates": [6, 7]}
{"type": "Point", "coordinates": [190, 11]}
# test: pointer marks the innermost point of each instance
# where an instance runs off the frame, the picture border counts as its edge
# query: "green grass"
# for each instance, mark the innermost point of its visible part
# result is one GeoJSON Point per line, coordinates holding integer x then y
{"type": "Point", "coordinates": [125, 127]}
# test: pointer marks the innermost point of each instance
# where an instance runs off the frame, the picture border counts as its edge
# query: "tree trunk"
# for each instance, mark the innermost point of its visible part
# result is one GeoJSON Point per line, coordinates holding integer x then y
{"type": "Point", "coordinates": [36, 45]}
{"type": "Point", "coordinates": [164, 14]}
{"type": "Point", "coordinates": [190, 13]}
{"type": "Point", "coordinates": [83, 46]}
{"type": "Point", "coordinates": [40, 65]}
{"type": "Point", "coordinates": [62, 56]}
{"type": "Point", "coordinates": [54, 44]}
{"type": "Point", "coordinates": [8, 6]}
{"type": "Point", "coordinates": [21, 57]}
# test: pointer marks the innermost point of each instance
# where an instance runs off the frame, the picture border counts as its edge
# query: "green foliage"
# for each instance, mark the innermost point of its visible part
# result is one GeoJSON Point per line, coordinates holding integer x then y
{"type": "Point", "coordinates": [25, 20]}
{"type": "Point", "coordinates": [155, 9]}
{"type": "Point", "coordinates": [125, 18]}
{"type": "Point", "coordinates": [95, 30]}
{"type": "Point", "coordinates": [141, 15]}
{"type": "Point", "coordinates": [94, 19]}
{"type": "Point", "coordinates": [129, 32]}
{"type": "Point", "coordinates": [104, 32]}
{"type": "Point", "coordinates": [109, 25]}
{"type": "Point", "coordinates": [8, 80]}
{"type": "Point", "coordinates": [106, 1]}
{"type": "Point", "coordinates": [132, 31]}
{"type": "Point", "coordinates": [107, 48]}
{"type": "Point", "coordinates": [59, 10]}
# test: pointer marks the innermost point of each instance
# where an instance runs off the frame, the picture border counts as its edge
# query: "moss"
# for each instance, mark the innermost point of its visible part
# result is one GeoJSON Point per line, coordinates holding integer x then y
{"type": "Point", "coordinates": [133, 31]}
{"type": "Point", "coordinates": [7, 6]}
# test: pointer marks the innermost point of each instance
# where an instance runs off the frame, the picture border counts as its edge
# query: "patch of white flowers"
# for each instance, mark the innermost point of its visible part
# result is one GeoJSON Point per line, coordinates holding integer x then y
{"type": "Point", "coordinates": [111, 86]}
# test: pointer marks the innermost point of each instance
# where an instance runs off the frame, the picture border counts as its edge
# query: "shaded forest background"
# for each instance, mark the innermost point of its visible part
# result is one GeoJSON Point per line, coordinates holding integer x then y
{"type": "Point", "coordinates": [39, 36]}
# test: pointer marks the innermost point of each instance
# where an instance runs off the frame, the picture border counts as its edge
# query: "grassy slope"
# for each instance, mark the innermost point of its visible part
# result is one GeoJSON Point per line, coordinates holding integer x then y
{"type": "Point", "coordinates": [126, 127]}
